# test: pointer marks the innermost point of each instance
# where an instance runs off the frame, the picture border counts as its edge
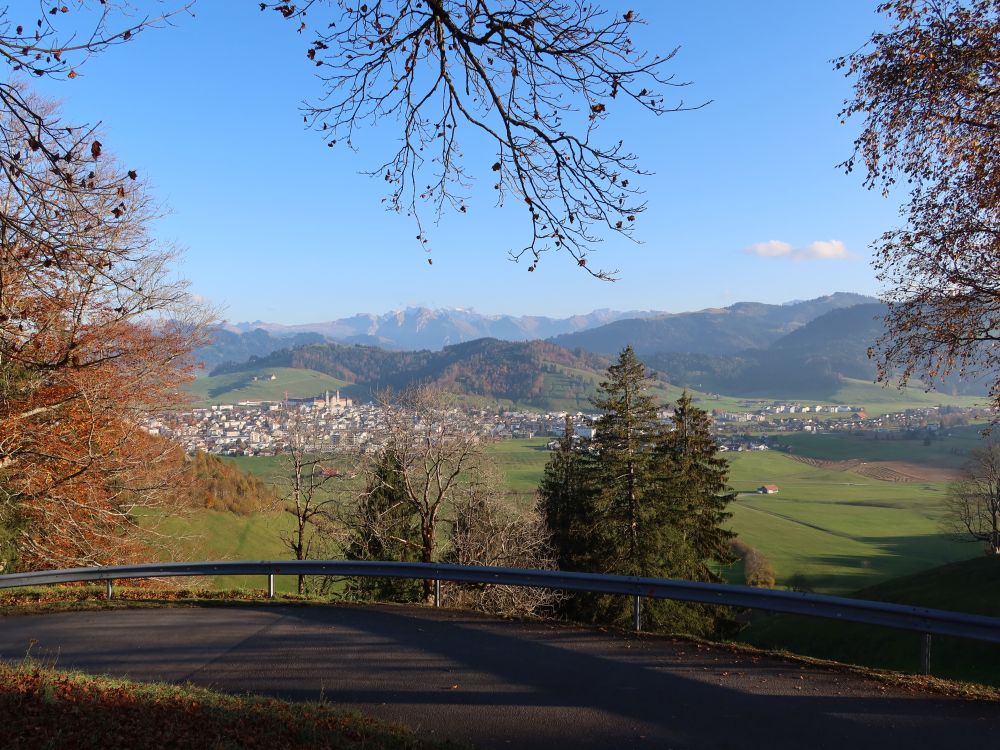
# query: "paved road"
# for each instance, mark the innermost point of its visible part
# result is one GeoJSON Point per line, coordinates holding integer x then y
{"type": "Point", "coordinates": [504, 684]}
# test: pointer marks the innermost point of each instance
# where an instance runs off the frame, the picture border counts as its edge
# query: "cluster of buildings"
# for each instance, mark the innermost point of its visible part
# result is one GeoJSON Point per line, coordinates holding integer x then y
{"type": "Point", "coordinates": [264, 428]}
{"type": "Point", "coordinates": [332, 422]}
{"type": "Point", "coordinates": [784, 417]}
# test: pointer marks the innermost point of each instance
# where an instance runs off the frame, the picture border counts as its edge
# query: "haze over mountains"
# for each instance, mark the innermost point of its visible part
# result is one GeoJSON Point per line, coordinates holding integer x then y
{"type": "Point", "coordinates": [805, 349]}
{"type": "Point", "coordinates": [801, 350]}
{"type": "Point", "coordinates": [745, 325]}
{"type": "Point", "coordinates": [423, 328]}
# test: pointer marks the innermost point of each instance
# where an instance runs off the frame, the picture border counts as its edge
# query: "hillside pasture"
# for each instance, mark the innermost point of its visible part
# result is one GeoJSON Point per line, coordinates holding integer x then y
{"type": "Point", "coordinates": [947, 451]}
{"type": "Point", "coordinates": [836, 531]}
{"type": "Point", "coordinates": [257, 385]}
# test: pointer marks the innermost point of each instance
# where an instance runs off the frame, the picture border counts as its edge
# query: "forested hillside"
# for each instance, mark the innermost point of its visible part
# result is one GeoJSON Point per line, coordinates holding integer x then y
{"type": "Point", "coordinates": [715, 331]}
{"type": "Point", "coordinates": [810, 362]}
{"type": "Point", "coordinates": [533, 373]}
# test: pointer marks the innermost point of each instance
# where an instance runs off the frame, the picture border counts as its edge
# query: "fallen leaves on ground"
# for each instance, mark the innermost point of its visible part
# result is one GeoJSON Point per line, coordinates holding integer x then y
{"type": "Point", "coordinates": [43, 708]}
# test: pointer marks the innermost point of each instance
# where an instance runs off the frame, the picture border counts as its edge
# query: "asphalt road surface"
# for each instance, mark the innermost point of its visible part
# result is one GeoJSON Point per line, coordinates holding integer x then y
{"type": "Point", "coordinates": [503, 684]}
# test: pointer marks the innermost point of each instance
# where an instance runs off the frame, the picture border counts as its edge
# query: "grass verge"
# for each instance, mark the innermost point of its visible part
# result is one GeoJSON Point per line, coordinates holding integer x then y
{"type": "Point", "coordinates": [45, 708]}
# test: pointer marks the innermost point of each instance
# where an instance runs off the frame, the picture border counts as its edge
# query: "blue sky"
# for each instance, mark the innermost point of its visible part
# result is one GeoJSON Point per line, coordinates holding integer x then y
{"type": "Point", "coordinates": [745, 204]}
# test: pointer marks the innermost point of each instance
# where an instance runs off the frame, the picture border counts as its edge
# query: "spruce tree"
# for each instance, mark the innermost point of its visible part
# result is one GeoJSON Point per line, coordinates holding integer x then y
{"type": "Point", "coordinates": [631, 529]}
{"type": "Point", "coordinates": [696, 478]}
{"type": "Point", "coordinates": [639, 499]}
{"type": "Point", "coordinates": [564, 502]}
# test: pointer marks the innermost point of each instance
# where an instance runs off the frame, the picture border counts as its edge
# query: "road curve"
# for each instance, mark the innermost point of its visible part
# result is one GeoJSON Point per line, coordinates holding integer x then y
{"type": "Point", "coordinates": [503, 684]}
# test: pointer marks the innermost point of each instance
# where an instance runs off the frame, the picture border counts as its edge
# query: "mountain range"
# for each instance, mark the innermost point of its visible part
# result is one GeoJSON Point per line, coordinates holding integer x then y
{"type": "Point", "coordinates": [717, 331]}
{"type": "Point", "coordinates": [424, 328]}
{"type": "Point", "coordinates": [824, 346]}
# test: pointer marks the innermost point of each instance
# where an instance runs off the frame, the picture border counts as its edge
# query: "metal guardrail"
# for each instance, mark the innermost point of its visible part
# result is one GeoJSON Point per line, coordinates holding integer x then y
{"type": "Point", "coordinates": [899, 616]}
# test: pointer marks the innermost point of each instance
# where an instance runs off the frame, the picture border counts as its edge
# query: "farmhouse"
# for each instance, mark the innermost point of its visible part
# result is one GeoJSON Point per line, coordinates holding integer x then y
{"type": "Point", "coordinates": [768, 489]}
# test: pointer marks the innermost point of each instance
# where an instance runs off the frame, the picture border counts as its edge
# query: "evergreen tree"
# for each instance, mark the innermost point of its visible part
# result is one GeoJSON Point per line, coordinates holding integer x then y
{"type": "Point", "coordinates": [696, 478]}
{"type": "Point", "coordinates": [639, 500]}
{"type": "Point", "coordinates": [384, 526]}
{"type": "Point", "coordinates": [565, 502]}
{"type": "Point", "coordinates": [629, 515]}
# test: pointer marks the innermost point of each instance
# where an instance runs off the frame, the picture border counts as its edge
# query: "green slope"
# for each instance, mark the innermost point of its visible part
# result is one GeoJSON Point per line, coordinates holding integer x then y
{"type": "Point", "coordinates": [948, 452]}
{"type": "Point", "coordinates": [834, 531]}
{"type": "Point", "coordinates": [242, 386]}
{"type": "Point", "coordinates": [969, 586]}
{"type": "Point", "coordinates": [878, 400]}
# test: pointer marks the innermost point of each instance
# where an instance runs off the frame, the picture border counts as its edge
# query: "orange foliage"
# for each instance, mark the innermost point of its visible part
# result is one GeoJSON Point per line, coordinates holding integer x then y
{"type": "Point", "coordinates": [93, 338]}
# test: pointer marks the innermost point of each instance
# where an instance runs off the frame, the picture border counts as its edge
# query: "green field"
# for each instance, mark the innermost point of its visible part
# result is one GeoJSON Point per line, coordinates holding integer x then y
{"type": "Point", "coordinates": [878, 400]}
{"type": "Point", "coordinates": [969, 586]}
{"type": "Point", "coordinates": [827, 530]}
{"type": "Point", "coordinates": [949, 451]}
{"type": "Point", "coordinates": [220, 535]}
{"type": "Point", "coordinates": [241, 386]}
{"type": "Point", "coordinates": [833, 531]}
{"type": "Point", "coordinates": [837, 531]}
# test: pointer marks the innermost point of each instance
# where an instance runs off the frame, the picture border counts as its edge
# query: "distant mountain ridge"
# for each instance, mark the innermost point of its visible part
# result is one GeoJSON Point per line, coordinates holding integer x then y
{"type": "Point", "coordinates": [815, 360]}
{"type": "Point", "coordinates": [716, 331]}
{"type": "Point", "coordinates": [811, 361]}
{"type": "Point", "coordinates": [417, 328]}
{"type": "Point", "coordinates": [713, 331]}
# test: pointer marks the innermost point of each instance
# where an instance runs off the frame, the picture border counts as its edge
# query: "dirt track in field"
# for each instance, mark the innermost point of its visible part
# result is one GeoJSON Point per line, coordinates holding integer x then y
{"type": "Point", "coordinates": [884, 471]}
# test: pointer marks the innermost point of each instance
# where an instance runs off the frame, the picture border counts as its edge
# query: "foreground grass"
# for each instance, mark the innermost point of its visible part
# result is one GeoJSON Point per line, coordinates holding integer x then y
{"type": "Point", "coordinates": [969, 586]}
{"type": "Point", "coordinates": [45, 708]}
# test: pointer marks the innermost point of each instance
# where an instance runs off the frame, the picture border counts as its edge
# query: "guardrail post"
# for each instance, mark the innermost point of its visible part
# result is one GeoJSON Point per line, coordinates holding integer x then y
{"type": "Point", "coordinates": [270, 585]}
{"type": "Point", "coordinates": [107, 589]}
{"type": "Point", "coordinates": [437, 592]}
{"type": "Point", "coordinates": [925, 653]}
{"type": "Point", "coordinates": [637, 613]}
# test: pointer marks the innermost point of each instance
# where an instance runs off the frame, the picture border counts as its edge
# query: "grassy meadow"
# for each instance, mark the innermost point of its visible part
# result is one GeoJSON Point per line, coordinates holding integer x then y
{"type": "Point", "coordinates": [241, 386]}
{"type": "Point", "coordinates": [829, 529]}
{"type": "Point", "coordinates": [947, 453]}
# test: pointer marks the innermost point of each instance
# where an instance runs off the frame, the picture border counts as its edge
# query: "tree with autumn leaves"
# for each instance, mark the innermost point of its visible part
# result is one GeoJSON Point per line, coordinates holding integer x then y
{"type": "Point", "coordinates": [94, 337]}
{"type": "Point", "coordinates": [925, 91]}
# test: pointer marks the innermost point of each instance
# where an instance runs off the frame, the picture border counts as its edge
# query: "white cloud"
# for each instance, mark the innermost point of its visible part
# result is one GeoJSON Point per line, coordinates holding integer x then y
{"type": "Point", "coordinates": [771, 249]}
{"type": "Point", "coordinates": [824, 249]}
{"type": "Point", "coordinates": [818, 250]}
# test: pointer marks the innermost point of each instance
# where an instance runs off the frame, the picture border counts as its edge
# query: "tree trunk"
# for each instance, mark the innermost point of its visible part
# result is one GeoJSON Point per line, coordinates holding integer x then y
{"type": "Point", "coordinates": [426, 555]}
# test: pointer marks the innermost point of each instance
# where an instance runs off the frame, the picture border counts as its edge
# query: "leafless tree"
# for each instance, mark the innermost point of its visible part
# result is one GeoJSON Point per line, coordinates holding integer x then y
{"type": "Point", "coordinates": [973, 503]}
{"type": "Point", "coordinates": [533, 78]}
{"type": "Point", "coordinates": [310, 496]}
{"type": "Point", "coordinates": [434, 451]}
{"type": "Point", "coordinates": [487, 531]}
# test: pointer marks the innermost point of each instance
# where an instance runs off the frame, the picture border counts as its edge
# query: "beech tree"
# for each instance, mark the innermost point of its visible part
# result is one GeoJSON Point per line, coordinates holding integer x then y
{"type": "Point", "coordinates": [926, 93]}
{"type": "Point", "coordinates": [94, 335]}
{"type": "Point", "coordinates": [93, 330]}
{"type": "Point", "coordinates": [534, 79]}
